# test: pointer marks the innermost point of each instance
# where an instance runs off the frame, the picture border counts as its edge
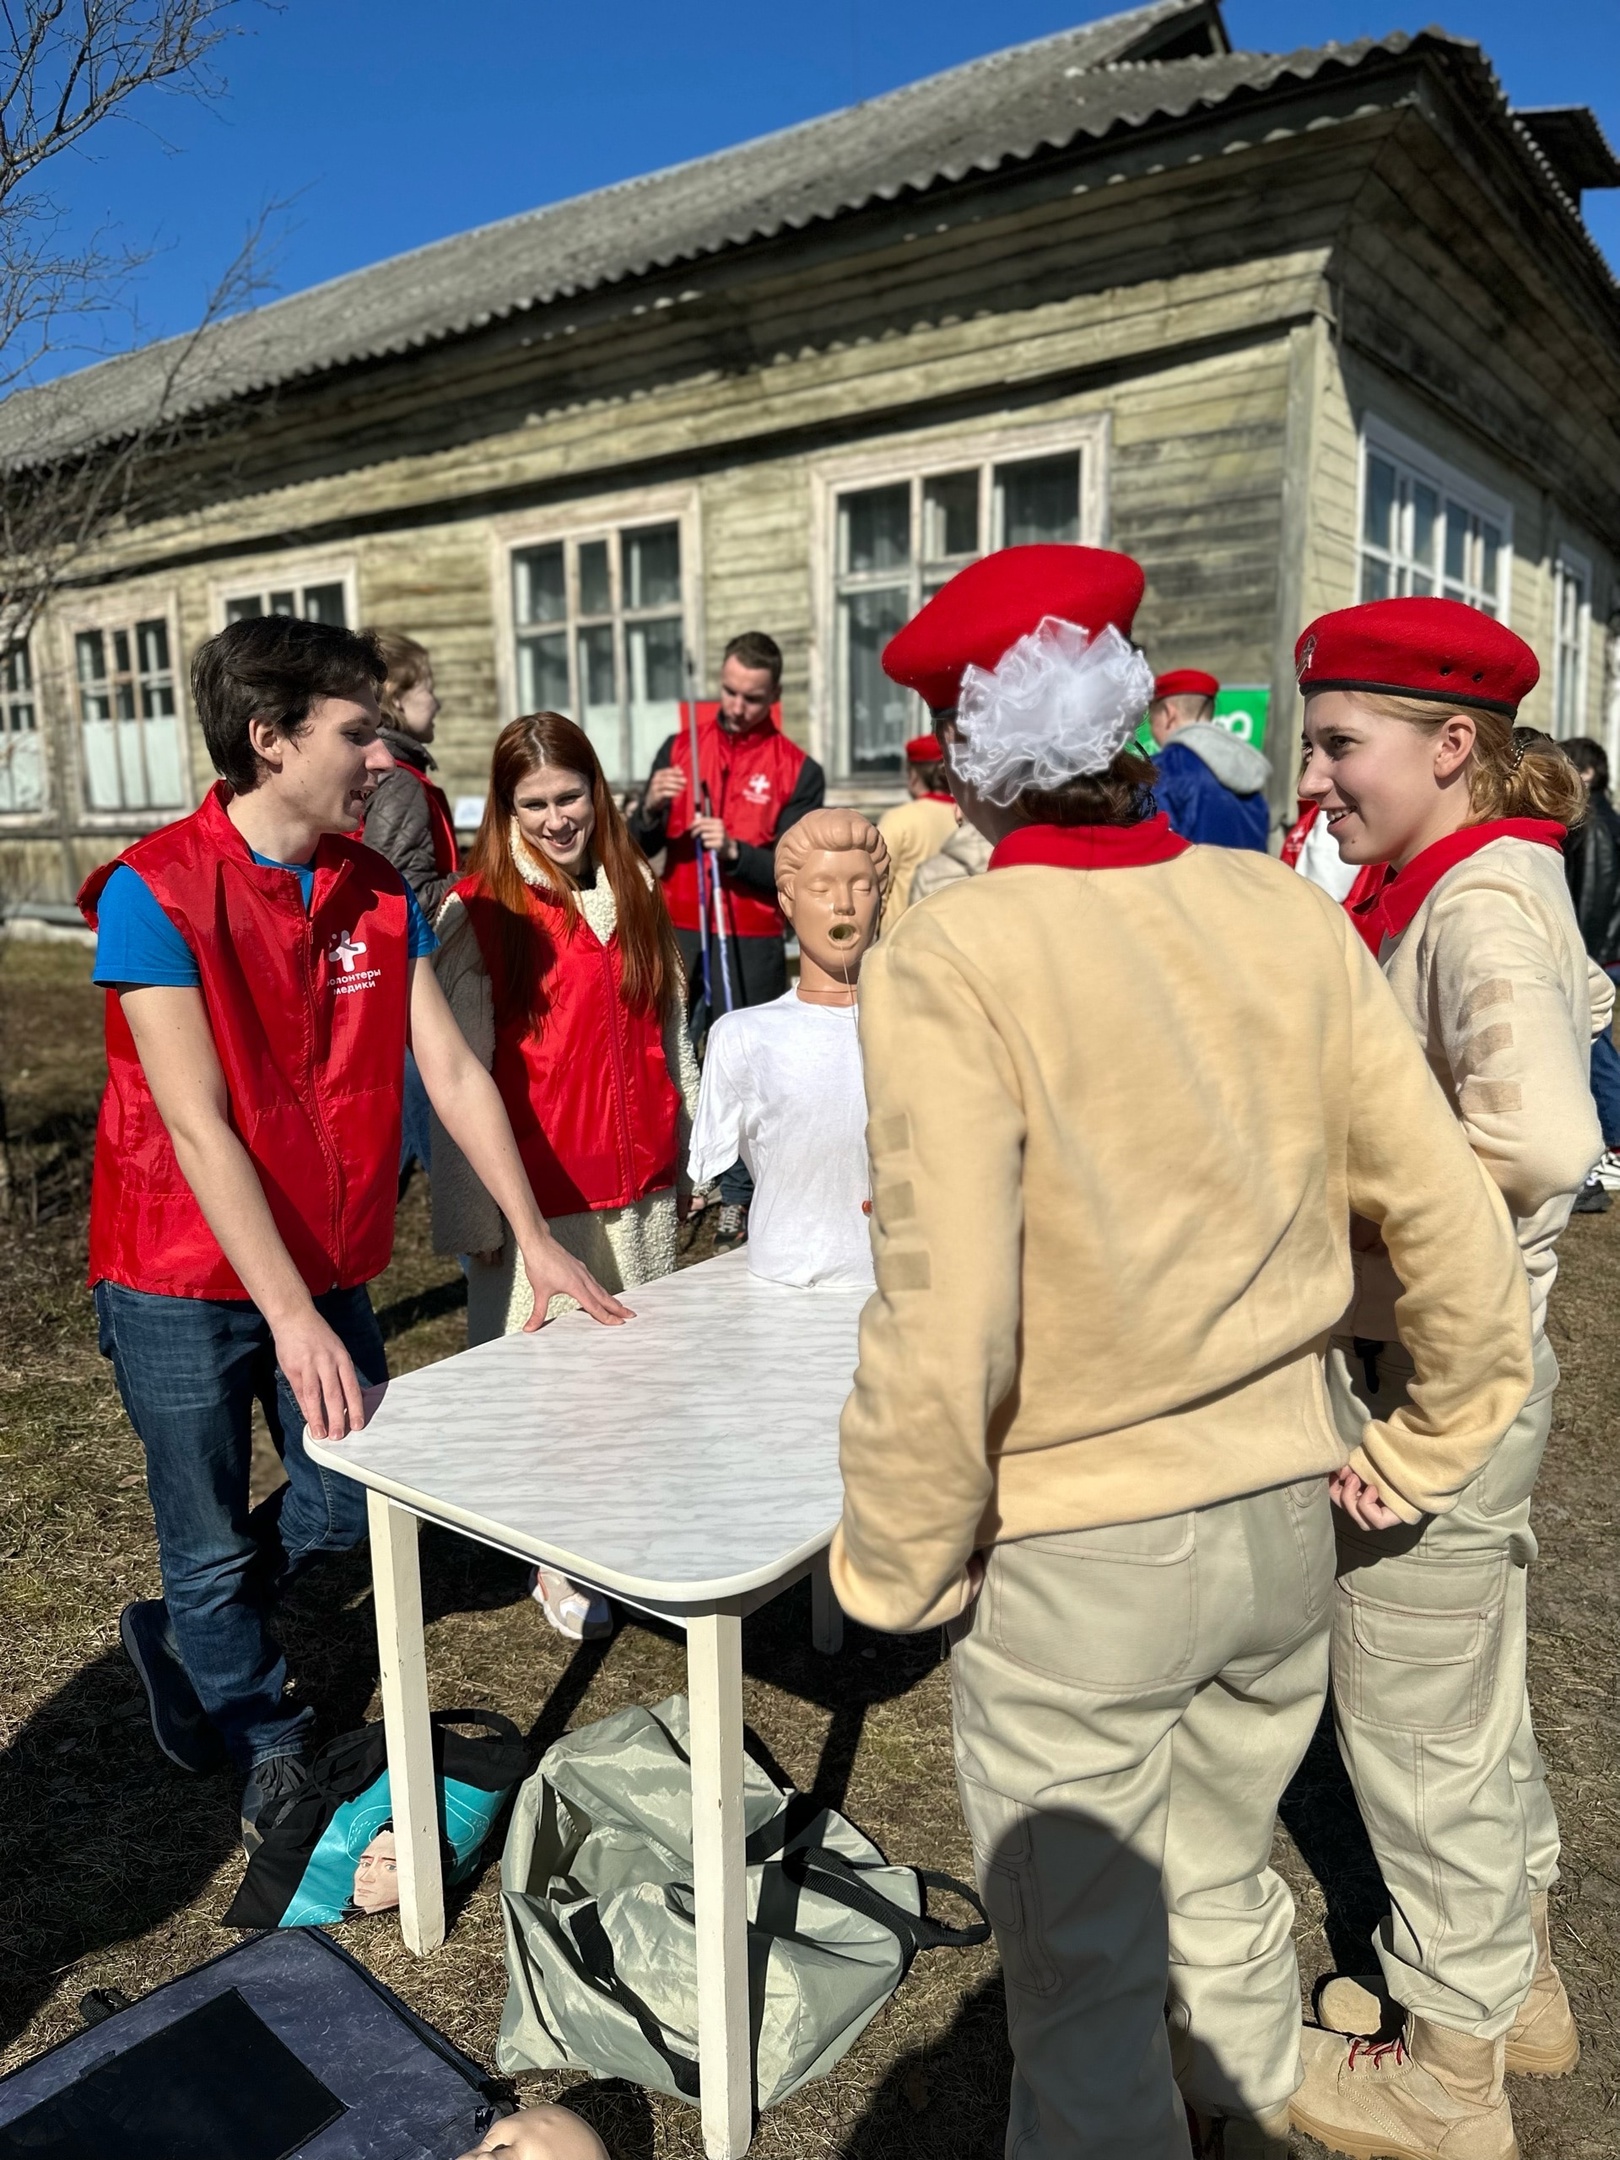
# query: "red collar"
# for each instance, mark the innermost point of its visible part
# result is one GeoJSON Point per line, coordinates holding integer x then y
{"type": "Point", "coordinates": [1090, 847]}
{"type": "Point", "coordinates": [934, 795]}
{"type": "Point", "coordinates": [1389, 910]}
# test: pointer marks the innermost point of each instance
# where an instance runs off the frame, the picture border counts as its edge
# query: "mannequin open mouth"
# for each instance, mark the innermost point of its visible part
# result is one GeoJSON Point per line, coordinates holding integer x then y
{"type": "Point", "coordinates": [843, 933]}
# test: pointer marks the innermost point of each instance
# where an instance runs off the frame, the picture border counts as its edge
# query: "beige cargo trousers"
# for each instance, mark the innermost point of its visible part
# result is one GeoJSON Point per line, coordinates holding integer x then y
{"type": "Point", "coordinates": [1433, 1716]}
{"type": "Point", "coordinates": [1128, 1706]}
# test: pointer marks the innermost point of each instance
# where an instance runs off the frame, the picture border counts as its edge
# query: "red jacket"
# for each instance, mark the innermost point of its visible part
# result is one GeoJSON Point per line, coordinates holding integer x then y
{"type": "Point", "coordinates": [309, 1016]}
{"type": "Point", "coordinates": [749, 778]}
{"type": "Point", "coordinates": [587, 1088]}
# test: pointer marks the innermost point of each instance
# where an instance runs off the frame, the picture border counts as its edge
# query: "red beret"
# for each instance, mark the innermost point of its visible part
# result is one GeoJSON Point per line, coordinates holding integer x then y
{"type": "Point", "coordinates": [1422, 648]}
{"type": "Point", "coordinates": [1185, 682]}
{"type": "Point", "coordinates": [925, 750]}
{"type": "Point", "coordinates": [989, 606]}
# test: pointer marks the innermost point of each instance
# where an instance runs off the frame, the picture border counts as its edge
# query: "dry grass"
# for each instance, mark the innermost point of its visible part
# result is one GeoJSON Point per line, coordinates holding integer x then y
{"type": "Point", "coordinates": [117, 1868]}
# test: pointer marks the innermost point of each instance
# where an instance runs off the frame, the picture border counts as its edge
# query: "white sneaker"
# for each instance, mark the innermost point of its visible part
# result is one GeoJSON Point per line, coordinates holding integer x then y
{"type": "Point", "coordinates": [1607, 1172]}
{"type": "Point", "coordinates": [578, 1614]}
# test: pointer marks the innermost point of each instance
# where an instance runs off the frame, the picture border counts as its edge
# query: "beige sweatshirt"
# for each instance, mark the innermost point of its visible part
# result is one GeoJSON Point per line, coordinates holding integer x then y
{"type": "Point", "coordinates": [1118, 1122]}
{"type": "Point", "coordinates": [1494, 981]}
{"type": "Point", "coordinates": [912, 832]}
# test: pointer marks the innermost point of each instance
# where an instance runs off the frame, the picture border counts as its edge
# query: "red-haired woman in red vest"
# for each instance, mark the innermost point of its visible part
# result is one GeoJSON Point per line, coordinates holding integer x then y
{"type": "Point", "coordinates": [561, 967]}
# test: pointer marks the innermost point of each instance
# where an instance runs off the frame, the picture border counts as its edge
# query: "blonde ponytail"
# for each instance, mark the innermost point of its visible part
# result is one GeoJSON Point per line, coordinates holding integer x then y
{"type": "Point", "coordinates": [1512, 771]}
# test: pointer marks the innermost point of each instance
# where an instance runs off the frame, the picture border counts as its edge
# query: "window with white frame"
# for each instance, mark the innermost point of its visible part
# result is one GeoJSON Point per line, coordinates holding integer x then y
{"type": "Point", "coordinates": [129, 720]}
{"type": "Point", "coordinates": [599, 625]}
{"type": "Point", "coordinates": [321, 599]}
{"type": "Point", "coordinates": [1572, 631]}
{"type": "Point", "coordinates": [22, 763]}
{"type": "Point", "coordinates": [1424, 530]}
{"type": "Point", "coordinates": [896, 541]}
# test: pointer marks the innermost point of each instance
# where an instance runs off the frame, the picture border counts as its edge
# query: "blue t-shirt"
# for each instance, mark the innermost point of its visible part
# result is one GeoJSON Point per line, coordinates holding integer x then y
{"type": "Point", "coordinates": [138, 947]}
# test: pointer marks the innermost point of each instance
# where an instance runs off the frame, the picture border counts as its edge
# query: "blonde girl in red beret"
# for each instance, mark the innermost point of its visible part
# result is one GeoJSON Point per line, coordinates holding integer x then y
{"type": "Point", "coordinates": [1414, 760]}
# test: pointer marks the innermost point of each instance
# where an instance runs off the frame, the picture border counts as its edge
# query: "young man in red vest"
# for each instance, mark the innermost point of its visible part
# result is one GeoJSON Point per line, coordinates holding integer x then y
{"type": "Point", "coordinates": [264, 973]}
{"type": "Point", "coordinates": [753, 784]}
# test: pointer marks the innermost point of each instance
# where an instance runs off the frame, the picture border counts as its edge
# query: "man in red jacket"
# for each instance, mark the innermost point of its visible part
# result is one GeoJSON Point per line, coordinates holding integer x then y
{"type": "Point", "coordinates": [264, 973]}
{"type": "Point", "coordinates": [753, 784]}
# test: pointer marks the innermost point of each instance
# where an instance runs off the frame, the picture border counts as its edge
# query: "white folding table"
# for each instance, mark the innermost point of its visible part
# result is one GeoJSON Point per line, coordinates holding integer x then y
{"type": "Point", "coordinates": [686, 1464]}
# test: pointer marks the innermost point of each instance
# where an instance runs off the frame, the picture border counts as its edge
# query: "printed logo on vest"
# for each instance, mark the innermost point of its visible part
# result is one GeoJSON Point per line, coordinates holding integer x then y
{"type": "Point", "coordinates": [757, 788]}
{"type": "Point", "coordinates": [344, 951]}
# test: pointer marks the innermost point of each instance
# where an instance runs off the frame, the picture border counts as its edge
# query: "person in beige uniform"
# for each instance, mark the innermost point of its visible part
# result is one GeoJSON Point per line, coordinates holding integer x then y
{"type": "Point", "coordinates": [1478, 940]}
{"type": "Point", "coordinates": [1089, 1429]}
{"type": "Point", "coordinates": [916, 830]}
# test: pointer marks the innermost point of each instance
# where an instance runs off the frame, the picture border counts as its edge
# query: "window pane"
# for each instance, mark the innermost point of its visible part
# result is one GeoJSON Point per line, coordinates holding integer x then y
{"type": "Point", "coordinates": [1490, 551]}
{"type": "Point", "coordinates": [131, 767]}
{"type": "Point", "coordinates": [874, 528]}
{"type": "Point", "coordinates": [539, 591]}
{"type": "Point", "coordinates": [654, 653]}
{"type": "Point", "coordinates": [1425, 523]}
{"type": "Point", "coordinates": [152, 643]}
{"type": "Point", "coordinates": [880, 712]}
{"type": "Point", "coordinates": [652, 567]}
{"type": "Point", "coordinates": [543, 673]}
{"type": "Point", "coordinates": [950, 515]}
{"type": "Point", "coordinates": [22, 770]}
{"type": "Point", "coordinates": [165, 769]}
{"type": "Point", "coordinates": [101, 789]}
{"type": "Point", "coordinates": [19, 669]}
{"type": "Point", "coordinates": [324, 603]}
{"type": "Point", "coordinates": [595, 586]}
{"type": "Point", "coordinates": [244, 609]}
{"type": "Point", "coordinates": [1378, 506]}
{"type": "Point", "coordinates": [1456, 542]}
{"type": "Point", "coordinates": [1038, 500]}
{"type": "Point", "coordinates": [1374, 579]}
{"type": "Point", "coordinates": [599, 696]}
{"type": "Point", "coordinates": [120, 640]}
{"type": "Point", "coordinates": [283, 603]}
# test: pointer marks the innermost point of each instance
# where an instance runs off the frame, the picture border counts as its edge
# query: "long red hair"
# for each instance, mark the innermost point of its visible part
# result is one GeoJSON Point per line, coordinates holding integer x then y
{"type": "Point", "coordinates": [650, 959]}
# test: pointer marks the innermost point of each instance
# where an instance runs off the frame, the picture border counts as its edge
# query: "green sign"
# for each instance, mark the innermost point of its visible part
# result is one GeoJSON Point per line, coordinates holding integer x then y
{"type": "Point", "coordinates": [1241, 708]}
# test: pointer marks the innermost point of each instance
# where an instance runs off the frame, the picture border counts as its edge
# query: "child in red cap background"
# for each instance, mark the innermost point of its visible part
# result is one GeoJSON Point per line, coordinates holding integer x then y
{"type": "Point", "coordinates": [1414, 760]}
{"type": "Point", "coordinates": [1211, 786]}
{"type": "Point", "coordinates": [1088, 1428]}
{"type": "Point", "coordinates": [915, 831]}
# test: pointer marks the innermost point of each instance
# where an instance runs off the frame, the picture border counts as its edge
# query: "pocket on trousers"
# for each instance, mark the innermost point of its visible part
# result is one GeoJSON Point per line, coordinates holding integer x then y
{"type": "Point", "coordinates": [1415, 1671]}
{"type": "Point", "coordinates": [1004, 1864]}
{"type": "Point", "coordinates": [1112, 1609]}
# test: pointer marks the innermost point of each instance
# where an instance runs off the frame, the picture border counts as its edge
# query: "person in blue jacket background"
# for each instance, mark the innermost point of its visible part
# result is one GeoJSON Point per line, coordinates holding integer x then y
{"type": "Point", "coordinates": [1211, 786]}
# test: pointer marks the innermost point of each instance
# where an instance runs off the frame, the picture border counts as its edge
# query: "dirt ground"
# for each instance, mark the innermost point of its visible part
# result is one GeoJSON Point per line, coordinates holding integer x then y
{"type": "Point", "coordinates": [116, 1867]}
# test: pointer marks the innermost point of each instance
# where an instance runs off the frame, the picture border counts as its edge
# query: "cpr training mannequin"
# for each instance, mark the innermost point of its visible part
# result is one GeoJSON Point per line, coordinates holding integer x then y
{"type": "Point", "coordinates": [782, 1082]}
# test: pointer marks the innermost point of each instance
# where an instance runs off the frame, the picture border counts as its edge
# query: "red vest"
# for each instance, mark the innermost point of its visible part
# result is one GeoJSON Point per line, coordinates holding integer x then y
{"type": "Point", "coordinates": [587, 1088]}
{"type": "Point", "coordinates": [309, 1017]}
{"type": "Point", "coordinates": [446, 853]}
{"type": "Point", "coordinates": [749, 778]}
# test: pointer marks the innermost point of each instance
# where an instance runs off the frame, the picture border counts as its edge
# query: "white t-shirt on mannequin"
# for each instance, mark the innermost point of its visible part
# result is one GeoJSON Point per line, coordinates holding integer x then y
{"type": "Point", "coordinates": [782, 1089]}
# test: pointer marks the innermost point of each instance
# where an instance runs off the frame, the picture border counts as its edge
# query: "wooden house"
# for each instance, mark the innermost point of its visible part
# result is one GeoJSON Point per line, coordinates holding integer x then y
{"type": "Point", "coordinates": [1292, 328]}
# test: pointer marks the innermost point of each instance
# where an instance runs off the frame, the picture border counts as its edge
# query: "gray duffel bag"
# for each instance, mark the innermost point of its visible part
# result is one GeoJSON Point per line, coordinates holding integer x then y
{"type": "Point", "coordinates": [601, 1952]}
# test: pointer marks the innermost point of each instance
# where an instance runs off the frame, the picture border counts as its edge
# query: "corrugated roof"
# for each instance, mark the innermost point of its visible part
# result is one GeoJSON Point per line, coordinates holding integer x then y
{"type": "Point", "coordinates": [1002, 109]}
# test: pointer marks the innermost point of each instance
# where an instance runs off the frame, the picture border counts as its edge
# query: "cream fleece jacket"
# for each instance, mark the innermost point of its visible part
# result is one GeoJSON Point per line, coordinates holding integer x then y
{"type": "Point", "coordinates": [912, 831]}
{"type": "Point", "coordinates": [1118, 1122]}
{"type": "Point", "coordinates": [1494, 981]}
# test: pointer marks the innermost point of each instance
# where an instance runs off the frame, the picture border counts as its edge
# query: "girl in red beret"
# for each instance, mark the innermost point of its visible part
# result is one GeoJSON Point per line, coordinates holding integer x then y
{"type": "Point", "coordinates": [916, 829]}
{"type": "Point", "coordinates": [1413, 756]}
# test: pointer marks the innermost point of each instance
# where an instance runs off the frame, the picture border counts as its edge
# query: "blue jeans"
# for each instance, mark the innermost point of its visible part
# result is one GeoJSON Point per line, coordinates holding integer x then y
{"type": "Point", "coordinates": [416, 1134]}
{"type": "Point", "coordinates": [189, 1371]}
{"type": "Point", "coordinates": [1606, 1079]}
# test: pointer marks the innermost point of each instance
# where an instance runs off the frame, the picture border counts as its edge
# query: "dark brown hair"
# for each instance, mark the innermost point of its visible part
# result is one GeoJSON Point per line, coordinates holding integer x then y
{"type": "Point", "coordinates": [1590, 758]}
{"type": "Point", "coordinates": [273, 667]}
{"type": "Point", "coordinates": [753, 649]}
{"type": "Point", "coordinates": [650, 960]}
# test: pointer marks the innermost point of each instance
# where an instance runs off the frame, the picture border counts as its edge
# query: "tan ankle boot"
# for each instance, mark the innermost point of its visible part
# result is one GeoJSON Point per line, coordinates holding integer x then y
{"type": "Point", "coordinates": [1543, 2041]}
{"type": "Point", "coordinates": [1437, 2095]}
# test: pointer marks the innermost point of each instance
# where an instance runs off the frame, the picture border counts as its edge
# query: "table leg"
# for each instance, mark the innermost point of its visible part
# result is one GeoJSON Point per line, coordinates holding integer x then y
{"type": "Point", "coordinates": [720, 1881]}
{"type": "Point", "coordinates": [826, 1614]}
{"type": "Point", "coordinates": [396, 1581]}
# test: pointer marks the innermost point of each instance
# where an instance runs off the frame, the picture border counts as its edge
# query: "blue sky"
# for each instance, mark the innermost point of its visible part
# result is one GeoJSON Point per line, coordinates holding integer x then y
{"type": "Point", "coordinates": [388, 123]}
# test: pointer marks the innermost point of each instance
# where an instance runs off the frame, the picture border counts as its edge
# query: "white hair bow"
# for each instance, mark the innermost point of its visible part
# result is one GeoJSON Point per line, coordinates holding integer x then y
{"type": "Point", "coordinates": [1058, 704]}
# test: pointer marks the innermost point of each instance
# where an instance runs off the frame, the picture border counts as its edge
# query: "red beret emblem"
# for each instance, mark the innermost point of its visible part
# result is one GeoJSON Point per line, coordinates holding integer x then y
{"type": "Point", "coordinates": [1307, 653]}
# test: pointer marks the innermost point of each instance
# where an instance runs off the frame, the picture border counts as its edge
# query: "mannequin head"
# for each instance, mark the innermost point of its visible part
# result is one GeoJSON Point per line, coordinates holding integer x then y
{"type": "Point", "coordinates": [832, 870]}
